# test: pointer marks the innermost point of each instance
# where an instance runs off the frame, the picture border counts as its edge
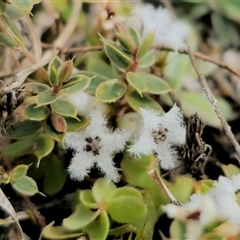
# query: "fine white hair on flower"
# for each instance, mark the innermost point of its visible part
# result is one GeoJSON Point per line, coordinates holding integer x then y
{"type": "Point", "coordinates": [168, 32]}
{"type": "Point", "coordinates": [96, 144]}
{"type": "Point", "coordinates": [224, 194]}
{"type": "Point", "coordinates": [220, 203]}
{"type": "Point", "coordinates": [159, 134]}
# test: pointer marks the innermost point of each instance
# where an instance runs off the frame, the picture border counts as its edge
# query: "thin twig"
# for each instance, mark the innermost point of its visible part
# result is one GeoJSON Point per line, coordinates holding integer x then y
{"type": "Point", "coordinates": [206, 88]}
{"type": "Point", "coordinates": [196, 54]}
{"type": "Point", "coordinates": [156, 177]}
{"type": "Point", "coordinates": [213, 101]}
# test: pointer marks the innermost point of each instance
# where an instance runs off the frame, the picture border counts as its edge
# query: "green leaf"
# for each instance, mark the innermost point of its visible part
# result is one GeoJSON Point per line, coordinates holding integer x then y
{"type": "Point", "coordinates": [7, 41]}
{"type": "Point", "coordinates": [14, 12]}
{"type": "Point", "coordinates": [75, 84]}
{"type": "Point", "coordinates": [65, 71]}
{"type": "Point", "coordinates": [137, 102]}
{"type": "Point", "coordinates": [230, 170]}
{"type": "Point", "coordinates": [25, 5]}
{"type": "Point", "coordinates": [135, 36]}
{"type": "Point", "coordinates": [64, 108]}
{"type": "Point", "coordinates": [11, 30]}
{"type": "Point", "coordinates": [57, 233]}
{"type": "Point", "coordinates": [177, 230]}
{"type": "Point", "coordinates": [126, 209]}
{"type": "Point", "coordinates": [126, 42]}
{"type": "Point", "coordinates": [35, 88]}
{"type": "Point", "coordinates": [145, 45]}
{"type": "Point", "coordinates": [55, 175]}
{"type": "Point", "coordinates": [110, 91]}
{"type": "Point", "coordinates": [23, 129]}
{"type": "Point", "coordinates": [155, 85]}
{"type": "Point", "coordinates": [147, 60]}
{"type": "Point", "coordinates": [53, 67]}
{"type": "Point", "coordinates": [98, 229]}
{"type": "Point", "coordinates": [125, 191]}
{"type": "Point", "coordinates": [51, 132]}
{"type": "Point", "coordinates": [74, 125]}
{"type": "Point", "coordinates": [121, 230]}
{"type": "Point", "coordinates": [102, 188]}
{"type": "Point", "coordinates": [46, 97]}
{"type": "Point", "coordinates": [87, 198]}
{"type": "Point", "coordinates": [20, 148]}
{"type": "Point", "coordinates": [186, 185]}
{"type": "Point", "coordinates": [44, 145]}
{"type": "Point", "coordinates": [198, 102]}
{"type": "Point", "coordinates": [96, 80]}
{"type": "Point", "coordinates": [117, 56]}
{"type": "Point", "coordinates": [25, 185]}
{"type": "Point", "coordinates": [98, 66]}
{"type": "Point", "coordinates": [36, 114]}
{"type": "Point", "coordinates": [18, 172]}
{"type": "Point", "coordinates": [81, 217]}
{"type": "Point", "coordinates": [137, 82]}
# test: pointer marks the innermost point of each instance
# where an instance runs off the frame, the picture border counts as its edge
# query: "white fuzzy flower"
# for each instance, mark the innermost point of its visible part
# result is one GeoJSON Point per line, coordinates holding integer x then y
{"type": "Point", "coordinates": [159, 134]}
{"type": "Point", "coordinates": [168, 32]}
{"type": "Point", "coordinates": [219, 203]}
{"type": "Point", "coordinates": [198, 212]}
{"type": "Point", "coordinates": [95, 144]}
{"type": "Point", "coordinates": [224, 195]}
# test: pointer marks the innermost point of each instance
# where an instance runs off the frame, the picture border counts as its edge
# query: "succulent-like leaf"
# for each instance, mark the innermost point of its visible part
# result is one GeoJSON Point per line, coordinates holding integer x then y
{"type": "Point", "coordinates": [102, 188]}
{"type": "Point", "coordinates": [154, 84]}
{"type": "Point", "coordinates": [53, 67]}
{"type": "Point", "coordinates": [126, 42]}
{"type": "Point", "coordinates": [87, 198]}
{"type": "Point", "coordinates": [178, 230]}
{"type": "Point", "coordinates": [75, 84]}
{"type": "Point", "coordinates": [51, 132]}
{"type": "Point", "coordinates": [44, 145]}
{"type": "Point", "coordinates": [18, 172]}
{"type": "Point", "coordinates": [145, 45]}
{"type": "Point", "coordinates": [46, 97]}
{"type": "Point", "coordinates": [147, 60]}
{"type": "Point", "coordinates": [23, 128]}
{"type": "Point", "coordinates": [126, 209]}
{"type": "Point", "coordinates": [65, 71]}
{"type": "Point", "coordinates": [137, 102]}
{"type": "Point", "coordinates": [81, 217]}
{"type": "Point", "coordinates": [76, 124]}
{"type": "Point", "coordinates": [117, 56]}
{"type": "Point", "coordinates": [64, 108]}
{"type": "Point", "coordinates": [55, 175]}
{"type": "Point", "coordinates": [25, 185]}
{"type": "Point", "coordinates": [135, 36]}
{"type": "Point", "coordinates": [137, 82]}
{"type": "Point", "coordinates": [36, 114]}
{"type": "Point", "coordinates": [125, 191]}
{"type": "Point", "coordinates": [98, 229]}
{"type": "Point", "coordinates": [58, 232]}
{"type": "Point", "coordinates": [35, 88]}
{"type": "Point", "coordinates": [110, 91]}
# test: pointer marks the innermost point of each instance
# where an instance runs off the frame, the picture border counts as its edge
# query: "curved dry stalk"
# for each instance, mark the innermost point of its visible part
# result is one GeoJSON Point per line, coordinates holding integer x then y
{"type": "Point", "coordinates": [199, 55]}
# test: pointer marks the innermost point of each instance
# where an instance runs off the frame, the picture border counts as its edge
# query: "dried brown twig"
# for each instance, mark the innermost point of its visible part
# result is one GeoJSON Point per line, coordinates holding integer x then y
{"type": "Point", "coordinates": [196, 54]}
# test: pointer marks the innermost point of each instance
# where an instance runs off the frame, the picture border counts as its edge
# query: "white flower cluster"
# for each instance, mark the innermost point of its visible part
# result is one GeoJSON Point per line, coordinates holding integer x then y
{"type": "Point", "coordinates": [168, 32]}
{"type": "Point", "coordinates": [95, 145]}
{"type": "Point", "coordinates": [159, 134]}
{"type": "Point", "coordinates": [220, 203]}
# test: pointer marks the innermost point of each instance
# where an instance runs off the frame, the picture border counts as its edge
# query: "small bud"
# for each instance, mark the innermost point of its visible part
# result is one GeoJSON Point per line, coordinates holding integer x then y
{"type": "Point", "coordinates": [65, 71]}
